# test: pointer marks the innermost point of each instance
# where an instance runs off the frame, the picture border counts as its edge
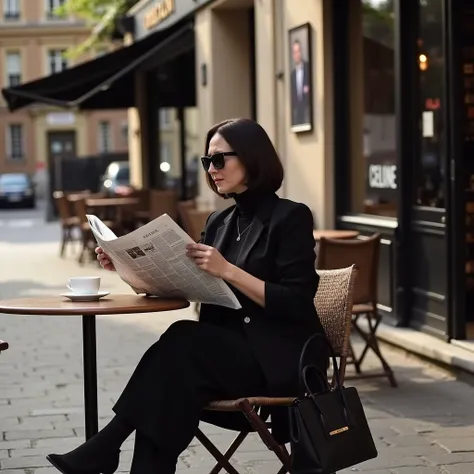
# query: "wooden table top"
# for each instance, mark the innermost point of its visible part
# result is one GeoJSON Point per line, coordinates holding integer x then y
{"type": "Point", "coordinates": [112, 304]}
{"type": "Point", "coordinates": [335, 234]}
{"type": "Point", "coordinates": [109, 202]}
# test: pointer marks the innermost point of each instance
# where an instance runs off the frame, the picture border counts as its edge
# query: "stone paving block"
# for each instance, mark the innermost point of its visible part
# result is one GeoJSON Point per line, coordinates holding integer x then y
{"type": "Point", "coordinates": [443, 457]}
{"type": "Point", "coordinates": [351, 470]}
{"type": "Point", "coordinates": [18, 453]}
{"type": "Point", "coordinates": [408, 440]}
{"type": "Point", "coordinates": [393, 461]}
{"type": "Point", "coordinates": [43, 470]}
{"type": "Point", "coordinates": [417, 470]}
{"type": "Point", "coordinates": [17, 444]}
{"type": "Point", "coordinates": [57, 411]}
{"type": "Point", "coordinates": [450, 432]}
{"type": "Point", "coordinates": [57, 444]}
{"type": "Point", "coordinates": [37, 434]}
{"type": "Point", "coordinates": [24, 462]}
{"type": "Point", "coordinates": [457, 445]}
{"type": "Point", "coordinates": [15, 471]}
{"type": "Point", "coordinates": [31, 423]}
{"type": "Point", "coordinates": [458, 469]}
{"type": "Point", "coordinates": [4, 453]}
{"type": "Point", "coordinates": [425, 452]}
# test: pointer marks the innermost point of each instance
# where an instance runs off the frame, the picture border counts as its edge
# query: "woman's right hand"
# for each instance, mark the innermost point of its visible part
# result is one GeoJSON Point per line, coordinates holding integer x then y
{"type": "Point", "coordinates": [104, 260]}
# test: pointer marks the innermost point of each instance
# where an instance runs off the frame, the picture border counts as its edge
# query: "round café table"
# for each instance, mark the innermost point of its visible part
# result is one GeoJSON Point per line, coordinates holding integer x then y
{"type": "Point", "coordinates": [335, 234]}
{"type": "Point", "coordinates": [110, 305]}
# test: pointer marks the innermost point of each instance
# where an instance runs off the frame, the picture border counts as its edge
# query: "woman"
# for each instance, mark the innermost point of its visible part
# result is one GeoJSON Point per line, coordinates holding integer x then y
{"type": "Point", "coordinates": [263, 247]}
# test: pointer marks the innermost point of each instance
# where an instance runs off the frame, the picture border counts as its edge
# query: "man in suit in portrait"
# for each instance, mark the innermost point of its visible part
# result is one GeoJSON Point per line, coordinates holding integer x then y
{"type": "Point", "coordinates": [300, 87]}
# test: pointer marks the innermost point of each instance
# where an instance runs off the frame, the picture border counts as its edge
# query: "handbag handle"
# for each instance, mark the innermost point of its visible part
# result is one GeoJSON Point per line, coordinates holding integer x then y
{"type": "Point", "coordinates": [324, 383]}
{"type": "Point", "coordinates": [332, 356]}
{"type": "Point", "coordinates": [320, 376]}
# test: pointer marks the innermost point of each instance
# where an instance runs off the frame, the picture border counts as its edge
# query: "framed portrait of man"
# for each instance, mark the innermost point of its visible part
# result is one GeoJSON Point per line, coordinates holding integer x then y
{"type": "Point", "coordinates": [301, 83]}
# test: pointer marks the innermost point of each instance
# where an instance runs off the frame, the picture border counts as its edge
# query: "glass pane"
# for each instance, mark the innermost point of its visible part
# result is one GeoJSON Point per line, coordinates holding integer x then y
{"type": "Point", "coordinates": [168, 141]}
{"type": "Point", "coordinates": [429, 174]}
{"type": "Point", "coordinates": [194, 150]}
{"type": "Point", "coordinates": [374, 158]}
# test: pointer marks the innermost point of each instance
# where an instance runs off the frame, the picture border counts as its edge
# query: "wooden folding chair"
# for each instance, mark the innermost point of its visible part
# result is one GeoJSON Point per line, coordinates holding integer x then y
{"type": "Point", "coordinates": [3, 346]}
{"type": "Point", "coordinates": [333, 302]}
{"type": "Point", "coordinates": [364, 254]}
{"type": "Point", "coordinates": [67, 218]}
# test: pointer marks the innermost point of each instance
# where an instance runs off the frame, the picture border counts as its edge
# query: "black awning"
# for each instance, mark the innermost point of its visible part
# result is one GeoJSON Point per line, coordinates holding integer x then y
{"type": "Point", "coordinates": [107, 82]}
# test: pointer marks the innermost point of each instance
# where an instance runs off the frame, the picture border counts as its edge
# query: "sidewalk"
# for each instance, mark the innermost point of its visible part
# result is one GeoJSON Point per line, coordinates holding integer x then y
{"type": "Point", "coordinates": [425, 426]}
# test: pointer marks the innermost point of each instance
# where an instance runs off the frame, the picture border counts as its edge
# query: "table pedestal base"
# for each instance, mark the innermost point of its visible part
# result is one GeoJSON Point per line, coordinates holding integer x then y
{"type": "Point", "coordinates": [90, 375]}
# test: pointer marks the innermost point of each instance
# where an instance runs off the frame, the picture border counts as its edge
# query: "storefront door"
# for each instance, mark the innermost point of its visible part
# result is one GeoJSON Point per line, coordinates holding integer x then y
{"type": "Point", "coordinates": [426, 196]}
{"type": "Point", "coordinates": [460, 43]}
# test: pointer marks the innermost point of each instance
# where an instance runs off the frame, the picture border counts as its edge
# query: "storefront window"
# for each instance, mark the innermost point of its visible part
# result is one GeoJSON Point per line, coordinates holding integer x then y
{"type": "Point", "coordinates": [429, 174]}
{"type": "Point", "coordinates": [170, 165]}
{"type": "Point", "coordinates": [373, 129]}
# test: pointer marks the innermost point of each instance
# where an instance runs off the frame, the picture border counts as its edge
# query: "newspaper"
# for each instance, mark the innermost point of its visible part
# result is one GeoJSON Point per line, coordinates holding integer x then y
{"type": "Point", "coordinates": [152, 260]}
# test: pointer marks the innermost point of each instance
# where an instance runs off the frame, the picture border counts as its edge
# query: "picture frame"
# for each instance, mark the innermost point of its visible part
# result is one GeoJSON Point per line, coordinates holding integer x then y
{"type": "Point", "coordinates": [300, 40]}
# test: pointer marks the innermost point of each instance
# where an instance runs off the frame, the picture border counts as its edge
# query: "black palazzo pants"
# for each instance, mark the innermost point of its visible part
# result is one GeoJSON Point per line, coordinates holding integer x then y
{"type": "Point", "coordinates": [192, 364]}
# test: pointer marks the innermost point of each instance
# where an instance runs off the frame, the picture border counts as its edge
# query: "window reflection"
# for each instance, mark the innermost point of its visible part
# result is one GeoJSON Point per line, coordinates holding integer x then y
{"type": "Point", "coordinates": [429, 175]}
{"type": "Point", "coordinates": [374, 164]}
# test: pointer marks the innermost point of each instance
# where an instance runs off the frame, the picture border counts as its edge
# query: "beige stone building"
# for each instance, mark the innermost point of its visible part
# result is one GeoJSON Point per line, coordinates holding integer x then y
{"type": "Point", "coordinates": [369, 103]}
{"type": "Point", "coordinates": [32, 43]}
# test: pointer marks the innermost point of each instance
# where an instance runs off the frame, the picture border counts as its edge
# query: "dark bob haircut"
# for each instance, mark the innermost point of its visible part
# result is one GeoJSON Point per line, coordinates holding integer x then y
{"type": "Point", "coordinates": [254, 150]}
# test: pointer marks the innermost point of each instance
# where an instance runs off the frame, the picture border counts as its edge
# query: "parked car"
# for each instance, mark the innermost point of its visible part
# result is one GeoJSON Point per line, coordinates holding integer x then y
{"type": "Point", "coordinates": [18, 189]}
{"type": "Point", "coordinates": [116, 179]}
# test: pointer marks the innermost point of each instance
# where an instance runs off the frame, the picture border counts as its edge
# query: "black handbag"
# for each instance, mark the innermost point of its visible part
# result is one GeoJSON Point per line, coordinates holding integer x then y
{"type": "Point", "coordinates": [328, 428]}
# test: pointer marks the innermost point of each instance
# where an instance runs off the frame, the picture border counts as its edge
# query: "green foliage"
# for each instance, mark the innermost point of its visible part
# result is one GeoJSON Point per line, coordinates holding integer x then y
{"type": "Point", "coordinates": [99, 14]}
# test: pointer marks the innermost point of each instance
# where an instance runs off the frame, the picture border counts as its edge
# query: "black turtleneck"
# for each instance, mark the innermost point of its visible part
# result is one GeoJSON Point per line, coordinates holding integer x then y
{"type": "Point", "coordinates": [246, 204]}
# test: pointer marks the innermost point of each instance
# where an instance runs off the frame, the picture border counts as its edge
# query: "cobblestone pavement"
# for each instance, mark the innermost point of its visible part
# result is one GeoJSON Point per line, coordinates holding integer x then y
{"type": "Point", "coordinates": [425, 426]}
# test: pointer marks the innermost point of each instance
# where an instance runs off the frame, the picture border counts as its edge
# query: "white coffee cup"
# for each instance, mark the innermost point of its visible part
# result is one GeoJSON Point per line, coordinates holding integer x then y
{"type": "Point", "coordinates": [84, 285]}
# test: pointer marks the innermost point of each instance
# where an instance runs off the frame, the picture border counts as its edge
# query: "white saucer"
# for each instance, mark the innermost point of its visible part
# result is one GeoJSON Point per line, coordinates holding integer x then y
{"type": "Point", "coordinates": [75, 297]}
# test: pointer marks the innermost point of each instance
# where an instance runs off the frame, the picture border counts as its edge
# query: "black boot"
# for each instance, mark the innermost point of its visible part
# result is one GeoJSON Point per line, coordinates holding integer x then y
{"type": "Point", "coordinates": [98, 455]}
{"type": "Point", "coordinates": [106, 466]}
{"type": "Point", "coordinates": [149, 459]}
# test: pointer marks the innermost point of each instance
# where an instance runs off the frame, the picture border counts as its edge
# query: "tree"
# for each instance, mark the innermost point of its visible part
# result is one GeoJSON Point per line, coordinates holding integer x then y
{"type": "Point", "coordinates": [101, 15]}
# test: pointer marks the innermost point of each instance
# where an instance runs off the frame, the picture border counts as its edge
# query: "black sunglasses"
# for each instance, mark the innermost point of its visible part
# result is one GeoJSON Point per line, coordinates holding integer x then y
{"type": "Point", "coordinates": [218, 160]}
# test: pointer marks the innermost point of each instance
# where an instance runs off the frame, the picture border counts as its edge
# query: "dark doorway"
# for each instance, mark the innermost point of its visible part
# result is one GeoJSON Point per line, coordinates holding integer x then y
{"type": "Point", "coordinates": [60, 145]}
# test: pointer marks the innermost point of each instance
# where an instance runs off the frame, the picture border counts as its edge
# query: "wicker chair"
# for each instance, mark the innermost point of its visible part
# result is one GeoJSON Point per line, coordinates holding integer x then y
{"type": "Point", "coordinates": [333, 302]}
{"type": "Point", "coordinates": [364, 254]}
{"type": "Point", "coordinates": [3, 346]}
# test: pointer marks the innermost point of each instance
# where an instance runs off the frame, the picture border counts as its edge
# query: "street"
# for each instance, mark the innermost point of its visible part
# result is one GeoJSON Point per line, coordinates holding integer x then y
{"type": "Point", "coordinates": [425, 426]}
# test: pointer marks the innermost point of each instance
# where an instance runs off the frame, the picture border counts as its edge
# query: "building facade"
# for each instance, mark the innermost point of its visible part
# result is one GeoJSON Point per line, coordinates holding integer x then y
{"type": "Point", "coordinates": [32, 44]}
{"type": "Point", "coordinates": [370, 104]}
{"type": "Point", "coordinates": [362, 111]}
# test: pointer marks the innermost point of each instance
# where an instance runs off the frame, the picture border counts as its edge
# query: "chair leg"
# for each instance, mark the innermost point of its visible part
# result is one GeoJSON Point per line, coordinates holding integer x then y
{"type": "Point", "coordinates": [353, 358]}
{"type": "Point", "coordinates": [65, 239]}
{"type": "Point", "coordinates": [284, 469]}
{"type": "Point", "coordinates": [260, 426]}
{"type": "Point", "coordinates": [371, 343]}
{"type": "Point", "coordinates": [218, 456]}
{"type": "Point", "coordinates": [372, 330]}
{"type": "Point", "coordinates": [85, 242]}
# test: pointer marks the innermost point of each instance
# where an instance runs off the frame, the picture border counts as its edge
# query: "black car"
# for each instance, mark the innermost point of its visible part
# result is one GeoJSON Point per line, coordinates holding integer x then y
{"type": "Point", "coordinates": [18, 189]}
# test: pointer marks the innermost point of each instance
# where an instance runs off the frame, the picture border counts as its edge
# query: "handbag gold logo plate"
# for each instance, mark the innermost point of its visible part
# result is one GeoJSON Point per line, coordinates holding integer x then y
{"type": "Point", "coordinates": [339, 431]}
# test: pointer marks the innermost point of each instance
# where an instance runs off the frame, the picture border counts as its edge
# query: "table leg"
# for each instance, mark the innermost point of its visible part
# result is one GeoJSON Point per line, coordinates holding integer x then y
{"type": "Point", "coordinates": [90, 375]}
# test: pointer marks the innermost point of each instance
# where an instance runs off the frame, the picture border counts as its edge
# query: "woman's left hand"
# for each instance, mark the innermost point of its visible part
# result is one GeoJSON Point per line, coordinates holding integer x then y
{"type": "Point", "coordinates": [209, 259]}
